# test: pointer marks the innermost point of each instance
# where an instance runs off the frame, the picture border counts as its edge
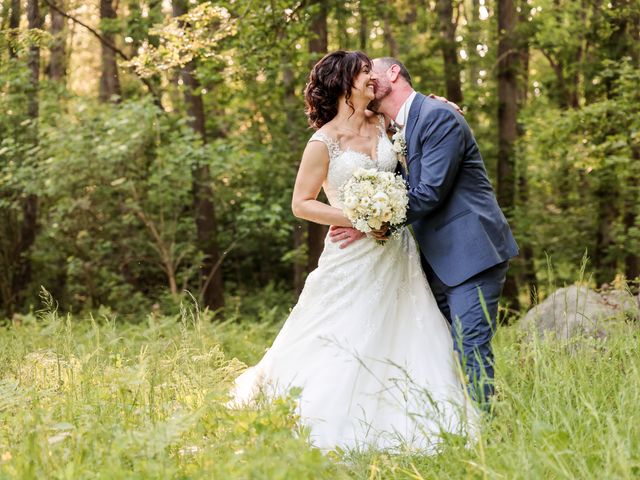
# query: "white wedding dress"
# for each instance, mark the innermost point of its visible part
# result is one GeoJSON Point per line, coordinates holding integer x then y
{"type": "Point", "coordinates": [366, 341]}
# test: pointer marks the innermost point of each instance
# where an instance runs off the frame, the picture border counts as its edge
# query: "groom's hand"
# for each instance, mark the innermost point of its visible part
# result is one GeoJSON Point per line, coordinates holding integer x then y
{"type": "Point", "coordinates": [346, 235]}
{"type": "Point", "coordinates": [381, 234]}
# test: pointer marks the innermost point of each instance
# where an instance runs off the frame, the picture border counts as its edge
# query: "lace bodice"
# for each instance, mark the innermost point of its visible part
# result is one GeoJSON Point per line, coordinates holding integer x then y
{"type": "Point", "coordinates": [343, 162]}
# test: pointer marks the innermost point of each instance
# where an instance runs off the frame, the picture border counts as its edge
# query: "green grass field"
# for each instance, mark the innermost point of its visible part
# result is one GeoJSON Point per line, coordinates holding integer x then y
{"type": "Point", "coordinates": [96, 398]}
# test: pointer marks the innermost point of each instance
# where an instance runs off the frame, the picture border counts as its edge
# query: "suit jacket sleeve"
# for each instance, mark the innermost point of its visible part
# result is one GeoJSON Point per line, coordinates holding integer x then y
{"type": "Point", "coordinates": [442, 141]}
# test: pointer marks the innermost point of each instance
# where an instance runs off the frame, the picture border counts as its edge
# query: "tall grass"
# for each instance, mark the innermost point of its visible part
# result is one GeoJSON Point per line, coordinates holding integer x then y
{"type": "Point", "coordinates": [563, 410]}
{"type": "Point", "coordinates": [93, 398]}
{"type": "Point", "coordinates": [96, 398]}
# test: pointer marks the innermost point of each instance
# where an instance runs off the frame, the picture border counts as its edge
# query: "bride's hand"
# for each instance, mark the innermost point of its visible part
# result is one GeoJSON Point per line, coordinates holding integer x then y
{"type": "Point", "coordinates": [442, 99]}
{"type": "Point", "coordinates": [346, 235]}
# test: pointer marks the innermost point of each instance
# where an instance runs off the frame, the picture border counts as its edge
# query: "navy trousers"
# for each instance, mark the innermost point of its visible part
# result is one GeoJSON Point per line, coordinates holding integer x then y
{"type": "Point", "coordinates": [471, 327]}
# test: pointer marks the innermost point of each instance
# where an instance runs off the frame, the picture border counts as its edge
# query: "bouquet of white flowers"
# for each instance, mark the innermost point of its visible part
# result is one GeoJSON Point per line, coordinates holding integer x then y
{"type": "Point", "coordinates": [371, 198]}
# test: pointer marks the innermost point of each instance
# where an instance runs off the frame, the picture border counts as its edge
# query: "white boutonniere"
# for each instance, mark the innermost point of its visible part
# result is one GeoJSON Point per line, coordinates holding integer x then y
{"type": "Point", "coordinates": [400, 148]}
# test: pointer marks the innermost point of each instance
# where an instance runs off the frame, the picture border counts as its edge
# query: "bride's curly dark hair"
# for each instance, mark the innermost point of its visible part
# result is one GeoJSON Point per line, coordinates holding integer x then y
{"type": "Point", "coordinates": [330, 78]}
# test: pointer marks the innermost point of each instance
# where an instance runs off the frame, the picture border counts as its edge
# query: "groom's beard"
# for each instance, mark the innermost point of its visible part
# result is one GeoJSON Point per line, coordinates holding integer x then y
{"type": "Point", "coordinates": [381, 93]}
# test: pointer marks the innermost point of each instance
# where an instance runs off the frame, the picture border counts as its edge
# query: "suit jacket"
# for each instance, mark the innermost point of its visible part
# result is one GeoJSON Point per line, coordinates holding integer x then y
{"type": "Point", "coordinates": [452, 207]}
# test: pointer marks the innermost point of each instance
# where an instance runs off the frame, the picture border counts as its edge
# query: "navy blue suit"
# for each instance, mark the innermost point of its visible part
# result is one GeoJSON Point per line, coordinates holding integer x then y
{"type": "Point", "coordinates": [465, 240]}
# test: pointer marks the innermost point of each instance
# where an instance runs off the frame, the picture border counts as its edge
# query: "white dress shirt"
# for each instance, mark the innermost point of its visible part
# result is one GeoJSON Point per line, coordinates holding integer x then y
{"type": "Point", "coordinates": [403, 113]}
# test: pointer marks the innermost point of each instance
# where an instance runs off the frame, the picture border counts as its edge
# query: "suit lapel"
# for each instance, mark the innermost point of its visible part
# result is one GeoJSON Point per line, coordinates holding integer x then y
{"type": "Point", "coordinates": [413, 115]}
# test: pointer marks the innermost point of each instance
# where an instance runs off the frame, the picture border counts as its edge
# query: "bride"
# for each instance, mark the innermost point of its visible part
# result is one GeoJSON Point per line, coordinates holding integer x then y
{"type": "Point", "coordinates": [366, 343]}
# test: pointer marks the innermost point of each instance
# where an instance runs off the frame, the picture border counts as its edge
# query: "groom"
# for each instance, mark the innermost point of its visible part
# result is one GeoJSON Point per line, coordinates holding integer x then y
{"type": "Point", "coordinates": [465, 241]}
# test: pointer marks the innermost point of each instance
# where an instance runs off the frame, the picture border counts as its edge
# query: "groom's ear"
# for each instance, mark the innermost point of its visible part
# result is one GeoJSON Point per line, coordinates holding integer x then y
{"type": "Point", "coordinates": [393, 73]}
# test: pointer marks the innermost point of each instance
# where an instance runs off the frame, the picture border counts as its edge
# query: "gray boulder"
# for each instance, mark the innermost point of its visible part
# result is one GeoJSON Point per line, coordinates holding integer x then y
{"type": "Point", "coordinates": [569, 312]}
{"type": "Point", "coordinates": [623, 302]}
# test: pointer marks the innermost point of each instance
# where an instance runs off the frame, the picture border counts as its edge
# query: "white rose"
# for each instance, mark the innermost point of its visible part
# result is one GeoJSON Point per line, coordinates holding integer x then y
{"type": "Point", "coordinates": [361, 224]}
{"type": "Point", "coordinates": [377, 209]}
{"type": "Point", "coordinates": [375, 223]}
{"type": "Point", "coordinates": [351, 202]}
{"type": "Point", "coordinates": [381, 197]}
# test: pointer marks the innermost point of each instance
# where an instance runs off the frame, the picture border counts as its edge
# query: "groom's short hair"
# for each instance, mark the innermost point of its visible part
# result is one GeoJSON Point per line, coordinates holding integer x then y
{"type": "Point", "coordinates": [404, 73]}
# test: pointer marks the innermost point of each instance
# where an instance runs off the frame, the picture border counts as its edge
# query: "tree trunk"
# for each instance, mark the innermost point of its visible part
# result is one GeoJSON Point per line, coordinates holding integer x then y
{"type": "Point", "coordinates": [11, 259]}
{"type": "Point", "coordinates": [14, 23]}
{"type": "Point", "coordinates": [449, 50]}
{"type": "Point", "coordinates": [472, 41]}
{"type": "Point", "coordinates": [299, 265]}
{"type": "Point", "coordinates": [300, 227]}
{"type": "Point", "coordinates": [389, 38]}
{"type": "Point", "coordinates": [34, 22]}
{"type": "Point", "coordinates": [603, 262]}
{"type": "Point", "coordinates": [317, 47]}
{"type": "Point", "coordinates": [28, 228]}
{"type": "Point", "coordinates": [319, 34]}
{"type": "Point", "coordinates": [523, 96]}
{"type": "Point", "coordinates": [342, 14]}
{"type": "Point", "coordinates": [507, 120]}
{"type": "Point", "coordinates": [528, 274]}
{"type": "Point", "coordinates": [574, 96]}
{"type": "Point", "coordinates": [206, 222]}
{"type": "Point", "coordinates": [507, 103]}
{"type": "Point", "coordinates": [618, 45]}
{"type": "Point", "coordinates": [632, 261]}
{"type": "Point", "coordinates": [634, 32]}
{"type": "Point", "coordinates": [57, 60]}
{"type": "Point", "coordinates": [363, 32]}
{"type": "Point", "coordinates": [632, 218]}
{"type": "Point", "coordinates": [525, 55]}
{"type": "Point", "coordinates": [316, 234]}
{"type": "Point", "coordinates": [109, 81]}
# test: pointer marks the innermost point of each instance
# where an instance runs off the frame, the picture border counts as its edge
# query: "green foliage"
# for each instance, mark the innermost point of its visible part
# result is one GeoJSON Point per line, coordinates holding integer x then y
{"type": "Point", "coordinates": [579, 170]}
{"type": "Point", "coordinates": [207, 25]}
{"type": "Point", "coordinates": [115, 184]}
{"type": "Point", "coordinates": [21, 40]}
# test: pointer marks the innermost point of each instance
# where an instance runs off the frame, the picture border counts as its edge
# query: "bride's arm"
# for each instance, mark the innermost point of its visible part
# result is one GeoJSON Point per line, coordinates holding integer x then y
{"type": "Point", "coordinates": [311, 174]}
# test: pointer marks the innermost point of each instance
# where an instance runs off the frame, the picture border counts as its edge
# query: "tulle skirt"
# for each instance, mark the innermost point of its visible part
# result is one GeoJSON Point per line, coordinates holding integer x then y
{"type": "Point", "coordinates": [371, 352]}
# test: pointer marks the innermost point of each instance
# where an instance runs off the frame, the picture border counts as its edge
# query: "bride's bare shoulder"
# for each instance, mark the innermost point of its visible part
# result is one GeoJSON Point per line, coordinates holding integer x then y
{"type": "Point", "coordinates": [328, 129]}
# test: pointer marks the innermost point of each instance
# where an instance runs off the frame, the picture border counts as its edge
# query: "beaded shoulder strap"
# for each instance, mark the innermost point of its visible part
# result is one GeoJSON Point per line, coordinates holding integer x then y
{"type": "Point", "coordinates": [332, 145]}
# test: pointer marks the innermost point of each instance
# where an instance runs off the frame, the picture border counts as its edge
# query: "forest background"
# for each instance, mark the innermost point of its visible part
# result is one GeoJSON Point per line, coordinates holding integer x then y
{"type": "Point", "coordinates": [150, 148]}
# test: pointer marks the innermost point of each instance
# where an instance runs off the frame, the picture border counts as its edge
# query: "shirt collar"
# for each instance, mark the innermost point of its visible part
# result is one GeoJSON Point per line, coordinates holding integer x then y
{"type": "Point", "coordinates": [403, 113]}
